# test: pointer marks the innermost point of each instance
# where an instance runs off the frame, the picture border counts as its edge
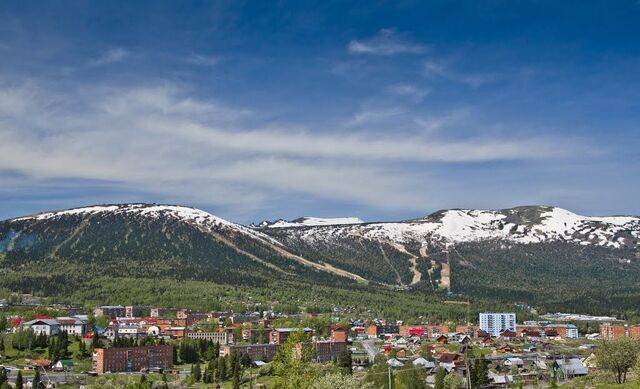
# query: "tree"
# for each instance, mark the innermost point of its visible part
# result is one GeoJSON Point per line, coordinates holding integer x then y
{"type": "Point", "coordinates": [36, 379]}
{"type": "Point", "coordinates": [3, 322]}
{"type": "Point", "coordinates": [378, 374]}
{"type": "Point", "coordinates": [453, 381]}
{"type": "Point", "coordinates": [345, 361]}
{"type": "Point", "coordinates": [95, 340]}
{"type": "Point", "coordinates": [19, 384]}
{"type": "Point", "coordinates": [291, 363]}
{"type": "Point", "coordinates": [479, 374]}
{"type": "Point", "coordinates": [143, 383]}
{"type": "Point", "coordinates": [408, 377]}
{"type": "Point", "coordinates": [221, 371]}
{"type": "Point", "coordinates": [196, 372]}
{"type": "Point", "coordinates": [439, 378]}
{"type": "Point", "coordinates": [618, 356]}
{"type": "Point", "coordinates": [338, 380]}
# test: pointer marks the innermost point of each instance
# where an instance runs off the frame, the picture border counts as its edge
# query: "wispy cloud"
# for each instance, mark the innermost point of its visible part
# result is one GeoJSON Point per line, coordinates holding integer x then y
{"type": "Point", "coordinates": [385, 42]}
{"type": "Point", "coordinates": [159, 140]}
{"type": "Point", "coordinates": [375, 114]}
{"type": "Point", "coordinates": [442, 70]}
{"type": "Point", "coordinates": [412, 92]}
{"type": "Point", "coordinates": [202, 60]}
{"type": "Point", "coordinates": [112, 55]}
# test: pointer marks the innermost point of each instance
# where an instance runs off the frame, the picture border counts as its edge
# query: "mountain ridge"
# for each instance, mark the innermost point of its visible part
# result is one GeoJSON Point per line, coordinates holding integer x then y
{"type": "Point", "coordinates": [521, 252]}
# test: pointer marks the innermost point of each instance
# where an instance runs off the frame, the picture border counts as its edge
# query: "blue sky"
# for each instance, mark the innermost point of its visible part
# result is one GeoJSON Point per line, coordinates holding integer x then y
{"type": "Point", "coordinates": [264, 110]}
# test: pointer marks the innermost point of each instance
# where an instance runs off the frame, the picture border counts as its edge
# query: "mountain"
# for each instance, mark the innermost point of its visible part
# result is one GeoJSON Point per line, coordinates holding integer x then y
{"type": "Point", "coordinates": [524, 253]}
{"type": "Point", "coordinates": [143, 239]}
{"type": "Point", "coordinates": [539, 255]}
{"type": "Point", "coordinates": [308, 221]}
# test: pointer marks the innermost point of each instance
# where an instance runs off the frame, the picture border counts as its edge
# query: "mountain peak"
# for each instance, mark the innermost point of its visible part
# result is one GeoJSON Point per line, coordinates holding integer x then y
{"type": "Point", "coordinates": [309, 221]}
{"type": "Point", "coordinates": [142, 209]}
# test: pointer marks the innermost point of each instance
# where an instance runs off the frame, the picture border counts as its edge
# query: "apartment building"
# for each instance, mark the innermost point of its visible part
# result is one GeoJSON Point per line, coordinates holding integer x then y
{"type": "Point", "coordinates": [131, 359]}
{"type": "Point", "coordinates": [221, 337]}
{"type": "Point", "coordinates": [495, 323]}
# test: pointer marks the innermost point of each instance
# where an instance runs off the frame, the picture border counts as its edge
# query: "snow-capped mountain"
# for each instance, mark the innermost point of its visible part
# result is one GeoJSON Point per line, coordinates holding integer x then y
{"type": "Point", "coordinates": [154, 232]}
{"type": "Point", "coordinates": [517, 225]}
{"type": "Point", "coordinates": [309, 221]}
{"type": "Point", "coordinates": [522, 252]}
{"type": "Point", "coordinates": [189, 215]}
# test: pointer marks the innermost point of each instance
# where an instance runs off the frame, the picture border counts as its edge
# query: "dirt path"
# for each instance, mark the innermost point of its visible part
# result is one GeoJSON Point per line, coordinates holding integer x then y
{"type": "Point", "coordinates": [445, 274]}
{"type": "Point", "coordinates": [413, 261]}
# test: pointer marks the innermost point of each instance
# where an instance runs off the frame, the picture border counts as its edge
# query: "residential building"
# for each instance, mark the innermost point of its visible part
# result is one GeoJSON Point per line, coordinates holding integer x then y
{"type": "Point", "coordinates": [134, 311]}
{"type": "Point", "coordinates": [162, 312]}
{"type": "Point", "coordinates": [48, 327]}
{"type": "Point", "coordinates": [71, 325]}
{"type": "Point", "coordinates": [130, 359]}
{"type": "Point", "coordinates": [565, 331]}
{"type": "Point", "coordinates": [280, 335]}
{"type": "Point", "coordinates": [257, 352]}
{"type": "Point", "coordinates": [328, 350]}
{"type": "Point", "coordinates": [221, 337]}
{"type": "Point", "coordinates": [110, 310]}
{"type": "Point", "coordinates": [612, 331]}
{"type": "Point", "coordinates": [131, 331]}
{"type": "Point", "coordinates": [495, 323]}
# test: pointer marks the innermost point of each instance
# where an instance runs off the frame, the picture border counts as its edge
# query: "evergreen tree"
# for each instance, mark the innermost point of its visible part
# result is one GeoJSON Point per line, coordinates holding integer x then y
{"type": "Point", "coordinates": [245, 360]}
{"type": "Point", "coordinates": [196, 372]}
{"type": "Point", "coordinates": [345, 360]}
{"type": "Point", "coordinates": [235, 383]}
{"type": "Point", "coordinates": [95, 340]}
{"type": "Point", "coordinates": [439, 378]}
{"type": "Point", "coordinates": [36, 380]}
{"type": "Point", "coordinates": [222, 369]}
{"type": "Point", "coordinates": [19, 383]}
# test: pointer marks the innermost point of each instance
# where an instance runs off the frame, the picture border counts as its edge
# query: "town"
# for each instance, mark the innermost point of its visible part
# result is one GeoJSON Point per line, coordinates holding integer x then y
{"type": "Point", "coordinates": [228, 349]}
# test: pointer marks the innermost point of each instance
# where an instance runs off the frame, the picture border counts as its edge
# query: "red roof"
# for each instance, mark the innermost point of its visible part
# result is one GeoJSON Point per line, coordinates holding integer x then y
{"type": "Point", "coordinates": [42, 317]}
{"type": "Point", "coordinates": [447, 358]}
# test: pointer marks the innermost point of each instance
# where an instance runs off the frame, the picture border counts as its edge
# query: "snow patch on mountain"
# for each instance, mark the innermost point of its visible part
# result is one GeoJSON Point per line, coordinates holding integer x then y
{"type": "Point", "coordinates": [203, 220]}
{"type": "Point", "coordinates": [313, 221]}
{"type": "Point", "coordinates": [523, 225]}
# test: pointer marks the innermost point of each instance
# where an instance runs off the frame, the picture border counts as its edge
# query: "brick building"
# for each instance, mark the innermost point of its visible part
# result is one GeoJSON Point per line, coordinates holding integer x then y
{"type": "Point", "coordinates": [280, 335]}
{"type": "Point", "coordinates": [130, 359]}
{"type": "Point", "coordinates": [612, 331]}
{"type": "Point", "coordinates": [328, 350]}
{"type": "Point", "coordinates": [257, 352]}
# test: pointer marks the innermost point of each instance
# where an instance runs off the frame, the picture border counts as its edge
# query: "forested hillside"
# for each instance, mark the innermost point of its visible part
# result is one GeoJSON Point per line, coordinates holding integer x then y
{"type": "Point", "coordinates": [538, 256]}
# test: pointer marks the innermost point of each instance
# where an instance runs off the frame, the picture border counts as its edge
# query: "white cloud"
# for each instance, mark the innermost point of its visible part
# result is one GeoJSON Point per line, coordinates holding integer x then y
{"type": "Point", "coordinates": [435, 69]}
{"type": "Point", "coordinates": [385, 42]}
{"type": "Point", "coordinates": [113, 55]}
{"type": "Point", "coordinates": [407, 90]}
{"type": "Point", "coordinates": [159, 140]}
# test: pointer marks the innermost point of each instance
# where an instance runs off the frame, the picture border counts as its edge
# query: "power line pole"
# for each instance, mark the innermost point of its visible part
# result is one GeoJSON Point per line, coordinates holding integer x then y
{"type": "Point", "coordinates": [390, 382]}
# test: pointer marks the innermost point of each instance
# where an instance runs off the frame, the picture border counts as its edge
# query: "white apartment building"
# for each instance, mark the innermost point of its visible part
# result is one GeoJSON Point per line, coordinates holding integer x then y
{"type": "Point", "coordinates": [495, 323]}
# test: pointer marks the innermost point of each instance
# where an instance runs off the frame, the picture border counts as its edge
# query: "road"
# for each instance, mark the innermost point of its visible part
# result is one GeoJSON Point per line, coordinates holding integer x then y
{"type": "Point", "coordinates": [369, 346]}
